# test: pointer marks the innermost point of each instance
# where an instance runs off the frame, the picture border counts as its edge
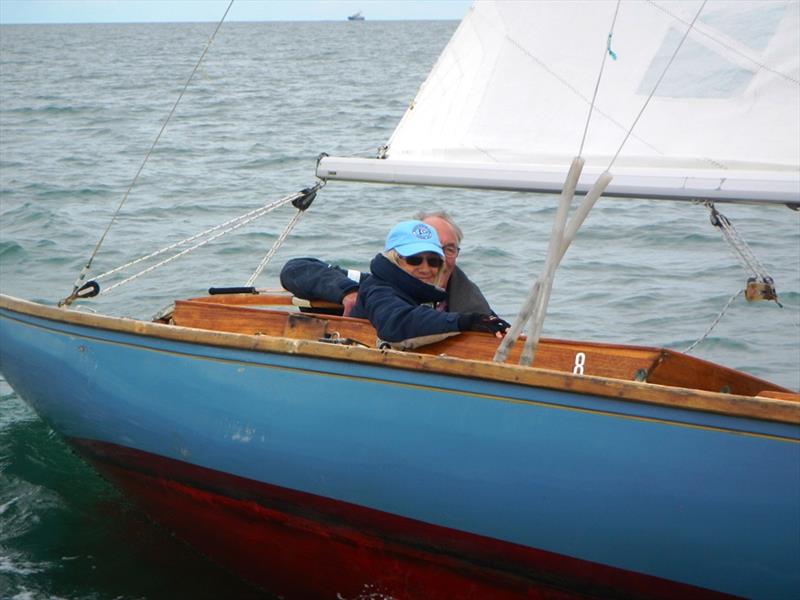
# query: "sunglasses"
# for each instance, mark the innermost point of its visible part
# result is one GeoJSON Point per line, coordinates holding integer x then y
{"type": "Point", "coordinates": [434, 262]}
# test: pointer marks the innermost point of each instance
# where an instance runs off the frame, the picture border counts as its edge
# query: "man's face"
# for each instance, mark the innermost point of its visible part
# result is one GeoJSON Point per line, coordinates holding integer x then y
{"type": "Point", "coordinates": [448, 239]}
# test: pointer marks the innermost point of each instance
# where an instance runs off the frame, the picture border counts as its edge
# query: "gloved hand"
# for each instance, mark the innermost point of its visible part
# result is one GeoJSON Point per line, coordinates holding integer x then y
{"type": "Point", "coordinates": [480, 322]}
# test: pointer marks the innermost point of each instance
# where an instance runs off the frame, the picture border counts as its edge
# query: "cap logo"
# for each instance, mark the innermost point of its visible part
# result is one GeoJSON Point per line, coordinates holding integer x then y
{"type": "Point", "coordinates": [422, 232]}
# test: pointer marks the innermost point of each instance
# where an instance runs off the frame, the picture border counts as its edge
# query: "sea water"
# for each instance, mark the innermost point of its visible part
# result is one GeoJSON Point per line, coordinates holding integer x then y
{"type": "Point", "coordinates": [80, 107]}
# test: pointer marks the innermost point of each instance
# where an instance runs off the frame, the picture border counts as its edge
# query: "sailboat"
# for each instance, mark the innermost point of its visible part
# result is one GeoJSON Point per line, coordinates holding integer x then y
{"type": "Point", "coordinates": [356, 17]}
{"type": "Point", "coordinates": [289, 448]}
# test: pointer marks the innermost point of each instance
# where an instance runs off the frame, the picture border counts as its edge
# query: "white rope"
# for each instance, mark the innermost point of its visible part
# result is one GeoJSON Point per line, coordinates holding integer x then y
{"type": "Point", "coordinates": [239, 223]}
{"type": "Point", "coordinates": [533, 302]}
{"type": "Point", "coordinates": [304, 199]}
{"type": "Point", "coordinates": [746, 257]}
{"type": "Point", "coordinates": [553, 258]}
{"type": "Point", "coordinates": [255, 213]}
{"type": "Point", "coordinates": [530, 305]}
{"type": "Point", "coordinates": [274, 249]}
{"type": "Point", "coordinates": [88, 264]}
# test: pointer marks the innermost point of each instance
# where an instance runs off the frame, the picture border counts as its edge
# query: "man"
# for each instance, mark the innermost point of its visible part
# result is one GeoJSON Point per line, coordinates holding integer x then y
{"type": "Point", "coordinates": [310, 278]}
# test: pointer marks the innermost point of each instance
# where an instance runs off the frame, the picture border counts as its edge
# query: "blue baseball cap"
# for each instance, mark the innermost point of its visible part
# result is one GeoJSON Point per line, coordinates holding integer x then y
{"type": "Point", "coordinates": [412, 237]}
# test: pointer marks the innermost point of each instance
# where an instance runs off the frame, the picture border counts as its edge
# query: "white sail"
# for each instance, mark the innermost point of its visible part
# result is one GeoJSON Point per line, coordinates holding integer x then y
{"type": "Point", "coordinates": [506, 104]}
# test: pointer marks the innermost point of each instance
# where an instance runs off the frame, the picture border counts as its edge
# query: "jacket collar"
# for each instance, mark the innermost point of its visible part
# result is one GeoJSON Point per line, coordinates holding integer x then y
{"type": "Point", "coordinates": [420, 291]}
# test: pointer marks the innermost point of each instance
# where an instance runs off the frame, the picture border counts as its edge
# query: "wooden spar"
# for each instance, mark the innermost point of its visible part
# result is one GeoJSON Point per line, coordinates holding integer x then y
{"type": "Point", "coordinates": [708, 185]}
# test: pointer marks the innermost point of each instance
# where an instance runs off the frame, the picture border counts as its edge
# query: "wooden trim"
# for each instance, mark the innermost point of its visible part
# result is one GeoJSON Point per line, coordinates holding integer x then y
{"type": "Point", "coordinates": [276, 298]}
{"type": "Point", "coordinates": [630, 363]}
{"type": "Point", "coordinates": [270, 298]}
{"type": "Point", "coordinates": [790, 396]}
{"type": "Point", "coordinates": [762, 408]}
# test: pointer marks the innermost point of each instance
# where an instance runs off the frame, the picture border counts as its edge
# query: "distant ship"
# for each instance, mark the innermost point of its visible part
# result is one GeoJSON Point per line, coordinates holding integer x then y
{"type": "Point", "coordinates": [356, 17]}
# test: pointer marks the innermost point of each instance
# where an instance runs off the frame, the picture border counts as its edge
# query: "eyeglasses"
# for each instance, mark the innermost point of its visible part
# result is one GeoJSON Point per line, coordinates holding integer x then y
{"type": "Point", "coordinates": [451, 250]}
{"type": "Point", "coordinates": [434, 262]}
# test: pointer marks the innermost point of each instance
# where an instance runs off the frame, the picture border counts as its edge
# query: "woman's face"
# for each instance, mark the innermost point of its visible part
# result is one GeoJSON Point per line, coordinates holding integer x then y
{"type": "Point", "coordinates": [426, 269]}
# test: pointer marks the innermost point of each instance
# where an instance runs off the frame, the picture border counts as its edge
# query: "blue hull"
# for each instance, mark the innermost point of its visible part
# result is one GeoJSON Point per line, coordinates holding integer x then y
{"type": "Point", "coordinates": [685, 496]}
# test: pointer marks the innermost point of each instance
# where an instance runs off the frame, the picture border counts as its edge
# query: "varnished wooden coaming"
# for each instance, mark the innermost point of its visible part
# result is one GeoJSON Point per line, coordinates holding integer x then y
{"type": "Point", "coordinates": [630, 363]}
{"type": "Point", "coordinates": [206, 321]}
{"type": "Point", "coordinates": [619, 362]}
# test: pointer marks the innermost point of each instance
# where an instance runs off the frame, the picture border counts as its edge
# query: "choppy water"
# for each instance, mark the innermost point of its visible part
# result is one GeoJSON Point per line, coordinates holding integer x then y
{"type": "Point", "coordinates": [79, 107]}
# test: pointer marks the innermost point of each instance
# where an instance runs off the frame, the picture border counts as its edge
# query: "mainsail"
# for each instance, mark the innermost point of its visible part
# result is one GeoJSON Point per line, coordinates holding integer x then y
{"type": "Point", "coordinates": [506, 105]}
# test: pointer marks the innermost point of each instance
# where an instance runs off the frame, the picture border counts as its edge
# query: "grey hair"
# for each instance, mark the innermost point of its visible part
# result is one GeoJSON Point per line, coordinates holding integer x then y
{"type": "Point", "coordinates": [445, 216]}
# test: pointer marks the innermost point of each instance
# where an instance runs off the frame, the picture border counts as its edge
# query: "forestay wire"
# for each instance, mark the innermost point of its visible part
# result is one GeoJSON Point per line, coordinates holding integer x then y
{"type": "Point", "coordinates": [77, 285]}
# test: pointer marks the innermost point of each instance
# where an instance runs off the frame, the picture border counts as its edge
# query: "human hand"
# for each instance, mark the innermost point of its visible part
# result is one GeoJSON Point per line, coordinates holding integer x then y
{"type": "Point", "coordinates": [480, 322]}
{"type": "Point", "coordinates": [349, 301]}
{"type": "Point", "coordinates": [494, 324]}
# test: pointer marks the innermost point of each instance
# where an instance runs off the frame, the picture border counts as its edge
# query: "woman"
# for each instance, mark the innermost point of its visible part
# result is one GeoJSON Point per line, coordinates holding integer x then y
{"type": "Point", "coordinates": [400, 296]}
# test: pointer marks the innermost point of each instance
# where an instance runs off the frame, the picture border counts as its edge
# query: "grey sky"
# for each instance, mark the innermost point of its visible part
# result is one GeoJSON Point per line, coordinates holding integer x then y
{"type": "Point", "coordinates": [145, 11]}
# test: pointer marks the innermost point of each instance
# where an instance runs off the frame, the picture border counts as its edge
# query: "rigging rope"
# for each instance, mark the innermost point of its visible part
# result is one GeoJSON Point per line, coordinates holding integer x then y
{"type": "Point", "coordinates": [255, 213]}
{"type": "Point", "coordinates": [746, 257]}
{"type": "Point", "coordinates": [274, 249]}
{"type": "Point", "coordinates": [599, 77]}
{"type": "Point", "coordinates": [77, 285]}
{"type": "Point", "coordinates": [760, 286]}
{"type": "Point", "coordinates": [301, 203]}
{"type": "Point", "coordinates": [655, 87]}
{"type": "Point", "coordinates": [231, 225]}
{"type": "Point", "coordinates": [714, 323]}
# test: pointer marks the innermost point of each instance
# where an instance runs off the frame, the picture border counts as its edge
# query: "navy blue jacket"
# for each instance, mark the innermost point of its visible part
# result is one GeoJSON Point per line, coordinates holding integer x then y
{"type": "Point", "coordinates": [399, 306]}
{"type": "Point", "coordinates": [313, 279]}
